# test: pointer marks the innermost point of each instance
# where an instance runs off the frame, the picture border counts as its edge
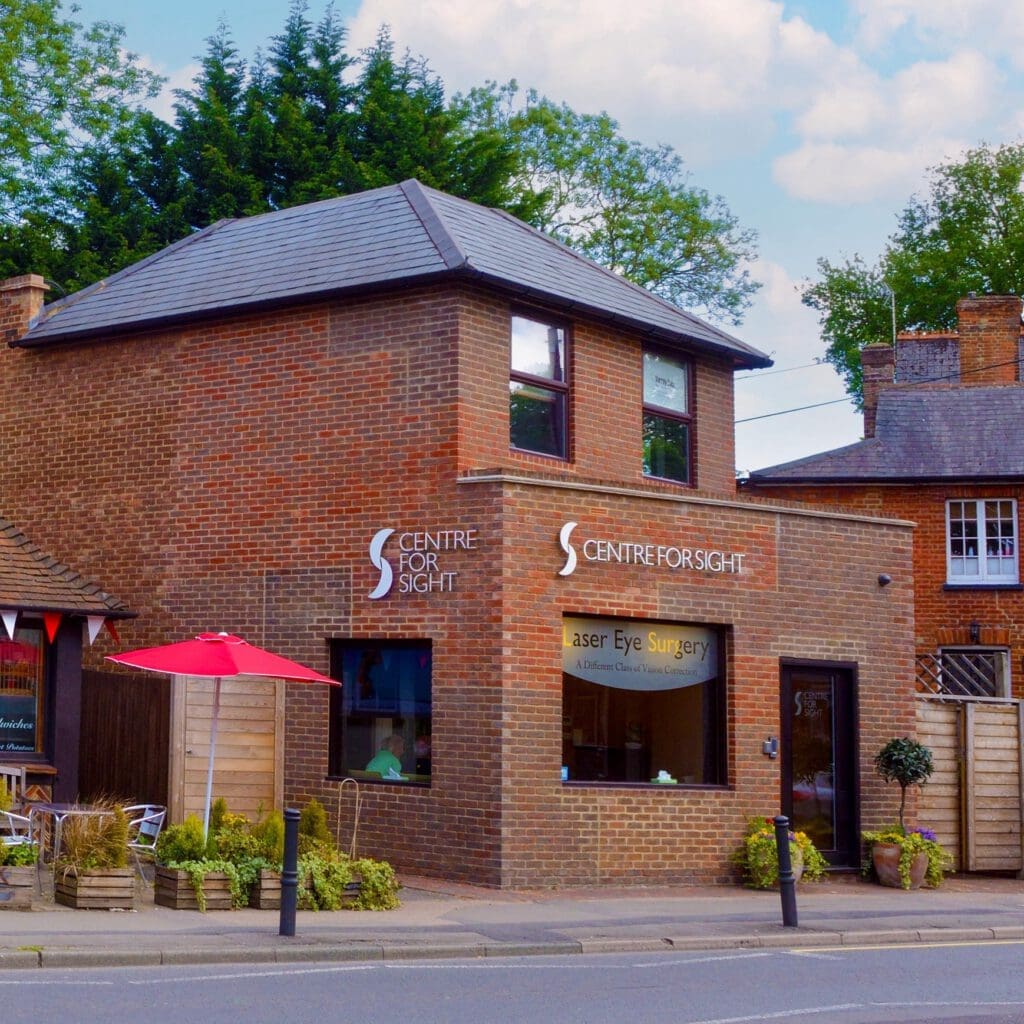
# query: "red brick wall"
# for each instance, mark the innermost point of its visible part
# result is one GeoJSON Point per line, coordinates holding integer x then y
{"type": "Point", "coordinates": [786, 605]}
{"type": "Point", "coordinates": [230, 476]}
{"type": "Point", "coordinates": [606, 403]}
{"type": "Point", "coordinates": [942, 617]}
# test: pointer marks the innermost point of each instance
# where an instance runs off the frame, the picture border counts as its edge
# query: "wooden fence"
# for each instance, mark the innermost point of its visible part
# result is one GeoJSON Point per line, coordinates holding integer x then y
{"type": "Point", "coordinates": [975, 796]}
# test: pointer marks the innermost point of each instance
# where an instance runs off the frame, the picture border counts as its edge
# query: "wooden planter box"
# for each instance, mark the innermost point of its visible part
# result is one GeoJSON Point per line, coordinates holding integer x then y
{"type": "Point", "coordinates": [266, 893]}
{"type": "Point", "coordinates": [16, 887]}
{"type": "Point", "coordinates": [96, 889]}
{"type": "Point", "coordinates": [173, 888]}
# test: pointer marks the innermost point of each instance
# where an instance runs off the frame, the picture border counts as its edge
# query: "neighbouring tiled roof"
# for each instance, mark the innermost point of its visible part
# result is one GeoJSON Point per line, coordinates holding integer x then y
{"type": "Point", "coordinates": [33, 581]}
{"type": "Point", "coordinates": [400, 234]}
{"type": "Point", "coordinates": [958, 433]}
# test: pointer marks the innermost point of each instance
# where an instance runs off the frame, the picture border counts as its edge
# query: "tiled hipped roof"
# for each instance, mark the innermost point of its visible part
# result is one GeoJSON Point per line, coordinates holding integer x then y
{"type": "Point", "coordinates": [389, 237]}
{"type": "Point", "coordinates": [33, 581]}
{"type": "Point", "coordinates": [959, 433]}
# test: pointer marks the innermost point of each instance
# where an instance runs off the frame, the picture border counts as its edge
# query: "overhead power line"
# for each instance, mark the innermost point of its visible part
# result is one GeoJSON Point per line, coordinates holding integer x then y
{"type": "Point", "coordinates": [837, 401]}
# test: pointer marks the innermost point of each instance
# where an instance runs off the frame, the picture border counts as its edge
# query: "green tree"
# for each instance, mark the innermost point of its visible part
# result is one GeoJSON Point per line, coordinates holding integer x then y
{"type": "Point", "coordinates": [966, 235]}
{"type": "Point", "coordinates": [405, 129]}
{"type": "Point", "coordinates": [61, 86]}
{"type": "Point", "coordinates": [211, 146]}
{"type": "Point", "coordinates": [627, 206]}
{"type": "Point", "coordinates": [63, 89]}
{"type": "Point", "coordinates": [309, 105]}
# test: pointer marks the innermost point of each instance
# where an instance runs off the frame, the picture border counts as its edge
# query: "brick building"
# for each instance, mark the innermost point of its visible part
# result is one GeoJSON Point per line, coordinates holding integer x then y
{"type": "Point", "coordinates": [943, 447]}
{"type": "Point", "coordinates": [490, 486]}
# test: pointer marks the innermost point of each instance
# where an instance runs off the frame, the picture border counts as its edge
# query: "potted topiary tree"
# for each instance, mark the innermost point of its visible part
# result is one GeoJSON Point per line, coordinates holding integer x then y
{"type": "Point", "coordinates": [901, 858]}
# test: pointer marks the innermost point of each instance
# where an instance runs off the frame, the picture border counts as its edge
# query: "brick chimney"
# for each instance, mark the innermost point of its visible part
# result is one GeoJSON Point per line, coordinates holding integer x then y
{"type": "Point", "coordinates": [21, 298]}
{"type": "Point", "coordinates": [877, 366]}
{"type": "Point", "coordinates": [989, 339]}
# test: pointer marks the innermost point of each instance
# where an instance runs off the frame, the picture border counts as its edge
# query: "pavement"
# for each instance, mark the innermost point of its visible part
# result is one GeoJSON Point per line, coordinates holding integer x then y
{"type": "Point", "coordinates": [444, 919]}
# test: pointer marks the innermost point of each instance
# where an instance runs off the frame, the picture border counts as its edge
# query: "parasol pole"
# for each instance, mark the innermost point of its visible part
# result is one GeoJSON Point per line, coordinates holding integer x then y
{"type": "Point", "coordinates": [213, 746]}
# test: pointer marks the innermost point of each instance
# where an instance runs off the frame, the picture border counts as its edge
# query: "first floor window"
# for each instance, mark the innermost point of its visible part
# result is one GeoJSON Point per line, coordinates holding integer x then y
{"type": "Point", "coordinates": [667, 418]}
{"type": "Point", "coordinates": [981, 541]}
{"type": "Point", "coordinates": [22, 692]}
{"type": "Point", "coordinates": [641, 700]}
{"type": "Point", "coordinates": [380, 725]}
{"type": "Point", "coordinates": [538, 388]}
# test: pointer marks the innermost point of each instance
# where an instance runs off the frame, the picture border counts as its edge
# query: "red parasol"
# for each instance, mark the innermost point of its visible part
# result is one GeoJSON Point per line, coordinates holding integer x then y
{"type": "Point", "coordinates": [215, 655]}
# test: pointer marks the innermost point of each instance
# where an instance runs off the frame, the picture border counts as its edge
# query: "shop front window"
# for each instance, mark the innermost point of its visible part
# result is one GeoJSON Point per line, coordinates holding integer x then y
{"type": "Point", "coordinates": [380, 727]}
{"type": "Point", "coordinates": [641, 701]}
{"type": "Point", "coordinates": [22, 692]}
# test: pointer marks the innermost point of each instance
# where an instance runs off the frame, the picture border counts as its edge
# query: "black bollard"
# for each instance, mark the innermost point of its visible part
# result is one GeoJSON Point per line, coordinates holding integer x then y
{"type": "Point", "coordinates": [787, 883]}
{"type": "Point", "coordinates": [290, 872]}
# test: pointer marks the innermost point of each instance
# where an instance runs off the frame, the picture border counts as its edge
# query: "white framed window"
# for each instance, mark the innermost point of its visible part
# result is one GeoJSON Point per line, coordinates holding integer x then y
{"type": "Point", "coordinates": [981, 541]}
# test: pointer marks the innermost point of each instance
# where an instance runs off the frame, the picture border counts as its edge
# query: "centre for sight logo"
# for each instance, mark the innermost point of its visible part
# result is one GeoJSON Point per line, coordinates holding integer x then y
{"type": "Point", "coordinates": [421, 555]}
{"type": "Point", "coordinates": [604, 549]}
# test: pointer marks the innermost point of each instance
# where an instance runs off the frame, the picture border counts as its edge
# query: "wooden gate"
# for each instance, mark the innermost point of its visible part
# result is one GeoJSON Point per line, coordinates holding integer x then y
{"type": "Point", "coordinates": [249, 756]}
{"type": "Point", "coordinates": [125, 736]}
{"type": "Point", "coordinates": [975, 796]}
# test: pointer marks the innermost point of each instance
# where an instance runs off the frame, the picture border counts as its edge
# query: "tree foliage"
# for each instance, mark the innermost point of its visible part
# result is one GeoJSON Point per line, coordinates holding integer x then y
{"type": "Point", "coordinates": [966, 235]}
{"type": "Point", "coordinates": [61, 86]}
{"type": "Point", "coordinates": [627, 206]}
{"type": "Point", "coordinates": [90, 182]}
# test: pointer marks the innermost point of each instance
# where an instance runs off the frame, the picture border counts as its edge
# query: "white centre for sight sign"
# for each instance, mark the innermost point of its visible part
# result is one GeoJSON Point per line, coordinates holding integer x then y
{"type": "Point", "coordinates": [634, 655]}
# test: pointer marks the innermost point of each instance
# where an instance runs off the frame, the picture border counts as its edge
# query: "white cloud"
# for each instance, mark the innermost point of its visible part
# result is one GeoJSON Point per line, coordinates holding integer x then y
{"type": "Point", "coordinates": [707, 76]}
{"type": "Point", "coordinates": [875, 137]}
{"type": "Point", "coordinates": [176, 78]}
{"type": "Point", "coordinates": [994, 26]}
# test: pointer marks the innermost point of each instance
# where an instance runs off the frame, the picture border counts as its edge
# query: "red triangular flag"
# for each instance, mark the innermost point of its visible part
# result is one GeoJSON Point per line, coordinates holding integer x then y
{"type": "Point", "coordinates": [52, 622]}
{"type": "Point", "coordinates": [113, 632]}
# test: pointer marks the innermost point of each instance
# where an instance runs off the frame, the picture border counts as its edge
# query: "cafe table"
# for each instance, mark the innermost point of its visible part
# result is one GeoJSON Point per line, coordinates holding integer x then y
{"type": "Point", "coordinates": [51, 817]}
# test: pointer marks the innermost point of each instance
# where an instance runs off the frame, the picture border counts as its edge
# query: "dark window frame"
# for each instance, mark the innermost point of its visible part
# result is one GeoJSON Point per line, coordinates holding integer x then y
{"type": "Point", "coordinates": [688, 419]}
{"type": "Point", "coordinates": [561, 389]}
{"type": "Point", "coordinates": [339, 709]}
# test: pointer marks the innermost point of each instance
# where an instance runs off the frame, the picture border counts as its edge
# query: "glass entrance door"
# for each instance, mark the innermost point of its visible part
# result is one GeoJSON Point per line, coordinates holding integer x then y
{"type": "Point", "coordinates": [819, 776]}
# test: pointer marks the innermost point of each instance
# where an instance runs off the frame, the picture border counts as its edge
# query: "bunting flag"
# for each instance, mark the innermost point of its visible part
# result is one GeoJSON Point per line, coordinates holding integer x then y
{"type": "Point", "coordinates": [10, 617]}
{"type": "Point", "coordinates": [113, 632]}
{"type": "Point", "coordinates": [52, 622]}
{"type": "Point", "coordinates": [94, 623]}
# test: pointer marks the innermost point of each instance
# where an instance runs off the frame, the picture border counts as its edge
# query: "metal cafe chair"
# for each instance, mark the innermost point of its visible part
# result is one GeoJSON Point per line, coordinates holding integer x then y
{"type": "Point", "coordinates": [17, 830]}
{"type": "Point", "coordinates": [144, 826]}
{"type": "Point", "coordinates": [13, 779]}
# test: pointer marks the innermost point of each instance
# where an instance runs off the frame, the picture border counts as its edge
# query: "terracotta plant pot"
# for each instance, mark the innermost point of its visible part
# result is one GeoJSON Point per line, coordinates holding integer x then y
{"type": "Point", "coordinates": [886, 860]}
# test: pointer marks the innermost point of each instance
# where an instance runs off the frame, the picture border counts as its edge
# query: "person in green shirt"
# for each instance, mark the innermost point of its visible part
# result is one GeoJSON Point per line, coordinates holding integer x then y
{"type": "Point", "coordinates": [386, 762]}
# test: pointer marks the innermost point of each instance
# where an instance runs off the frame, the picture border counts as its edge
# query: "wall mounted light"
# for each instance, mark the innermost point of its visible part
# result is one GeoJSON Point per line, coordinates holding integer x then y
{"type": "Point", "coordinates": [975, 631]}
{"type": "Point", "coordinates": [884, 579]}
{"type": "Point", "coordinates": [770, 747]}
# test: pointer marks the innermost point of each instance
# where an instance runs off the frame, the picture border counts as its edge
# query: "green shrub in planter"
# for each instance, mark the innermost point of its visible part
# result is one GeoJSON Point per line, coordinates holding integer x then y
{"type": "Point", "coordinates": [183, 846]}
